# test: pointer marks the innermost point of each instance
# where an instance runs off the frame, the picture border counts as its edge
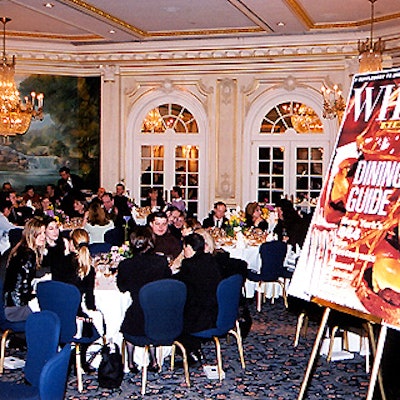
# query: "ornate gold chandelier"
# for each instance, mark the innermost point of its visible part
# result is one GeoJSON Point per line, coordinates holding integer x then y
{"type": "Point", "coordinates": [15, 115]}
{"type": "Point", "coordinates": [334, 104]}
{"type": "Point", "coordinates": [370, 53]}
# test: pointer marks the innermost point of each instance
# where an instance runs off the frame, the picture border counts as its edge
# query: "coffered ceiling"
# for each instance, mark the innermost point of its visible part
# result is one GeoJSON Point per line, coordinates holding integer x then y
{"type": "Point", "coordinates": [90, 22]}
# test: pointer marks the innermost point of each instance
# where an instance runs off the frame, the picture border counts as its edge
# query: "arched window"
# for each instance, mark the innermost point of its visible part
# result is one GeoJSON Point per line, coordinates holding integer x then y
{"type": "Point", "coordinates": [169, 117]}
{"type": "Point", "coordinates": [288, 158]}
{"type": "Point", "coordinates": [291, 115]}
{"type": "Point", "coordinates": [170, 148]}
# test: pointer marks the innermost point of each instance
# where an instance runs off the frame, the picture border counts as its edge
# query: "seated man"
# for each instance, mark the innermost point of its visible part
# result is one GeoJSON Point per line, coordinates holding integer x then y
{"type": "Point", "coordinates": [216, 218]}
{"type": "Point", "coordinates": [121, 201]}
{"type": "Point", "coordinates": [165, 243]}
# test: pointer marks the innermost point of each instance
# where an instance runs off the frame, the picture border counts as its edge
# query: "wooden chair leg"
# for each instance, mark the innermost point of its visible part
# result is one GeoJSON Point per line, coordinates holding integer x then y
{"type": "Point", "coordinates": [259, 297]}
{"type": "Point", "coordinates": [3, 349]}
{"type": "Point", "coordinates": [144, 369]}
{"type": "Point", "coordinates": [331, 342]}
{"type": "Point", "coordinates": [299, 325]}
{"type": "Point", "coordinates": [78, 364]}
{"type": "Point", "coordinates": [219, 357]}
{"type": "Point", "coordinates": [185, 361]}
{"type": "Point", "coordinates": [238, 336]}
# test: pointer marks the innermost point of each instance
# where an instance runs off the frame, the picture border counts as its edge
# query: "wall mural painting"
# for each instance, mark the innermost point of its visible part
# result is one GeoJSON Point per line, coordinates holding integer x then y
{"type": "Point", "coordinates": [69, 134]}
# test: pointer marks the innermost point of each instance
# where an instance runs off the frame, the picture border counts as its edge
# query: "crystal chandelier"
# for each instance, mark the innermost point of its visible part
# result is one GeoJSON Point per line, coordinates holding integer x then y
{"type": "Point", "coordinates": [370, 53]}
{"type": "Point", "coordinates": [15, 115]}
{"type": "Point", "coordinates": [334, 104]}
{"type": "Point", "coordinates": [153, 121]}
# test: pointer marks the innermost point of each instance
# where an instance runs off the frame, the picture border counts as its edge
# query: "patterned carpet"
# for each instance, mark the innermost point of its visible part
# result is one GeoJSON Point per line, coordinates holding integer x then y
{"type": "Point", "coordinates": [274, 369]}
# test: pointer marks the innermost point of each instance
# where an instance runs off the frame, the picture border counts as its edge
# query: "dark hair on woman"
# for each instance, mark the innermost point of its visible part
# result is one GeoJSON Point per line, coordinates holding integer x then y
{"type": "Point", "coordinates": [141, 240]}
{"type": "Point", "coordinates": [196, 242]}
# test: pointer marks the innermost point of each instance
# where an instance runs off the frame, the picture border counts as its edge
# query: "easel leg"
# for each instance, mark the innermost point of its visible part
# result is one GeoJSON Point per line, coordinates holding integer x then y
{"type": "Point", "coordinates": [373, 346]}
{"type": "Point", "coordinates": [314, 353]}
{"type": "Point", "coordinates": [377, 361]}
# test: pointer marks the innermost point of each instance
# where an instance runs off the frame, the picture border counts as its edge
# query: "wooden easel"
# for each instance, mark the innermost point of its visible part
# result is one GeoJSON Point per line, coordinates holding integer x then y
{"type": "Point", "coordinates": [377, 350]}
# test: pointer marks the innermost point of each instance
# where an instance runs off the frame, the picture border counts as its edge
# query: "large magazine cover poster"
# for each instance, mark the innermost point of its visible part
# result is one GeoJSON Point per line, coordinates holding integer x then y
{"type": "Point", "coordinates": [352, 256]}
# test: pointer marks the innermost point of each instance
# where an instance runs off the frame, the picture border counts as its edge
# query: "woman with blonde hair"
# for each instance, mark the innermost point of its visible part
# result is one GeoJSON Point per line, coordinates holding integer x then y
{"type": "Point", "coordinates": [83, 276]}
{"type": "Point", "coordinates": [24, 260]}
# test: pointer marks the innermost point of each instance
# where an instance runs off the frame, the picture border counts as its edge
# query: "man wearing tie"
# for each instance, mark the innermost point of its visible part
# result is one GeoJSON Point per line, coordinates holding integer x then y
{"type": "Point", "coordinates": [216, 218]}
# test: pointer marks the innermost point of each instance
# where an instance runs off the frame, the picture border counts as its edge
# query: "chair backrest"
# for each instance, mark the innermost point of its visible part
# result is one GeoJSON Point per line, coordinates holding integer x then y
{"type": "Point", "coordinates": [42, 338]}
{"type": "Point", "coordinates": [228, 297]}
{"type": "Point", "coordinates": [163, 302]}
{"type": "Point", "coordinates": [272, 257]}
{"type": "Point", "coordinates": [53, 379]}
{"type": "Point", "coordinates": [114, 236]}
{"type": "Point", "coordinates": [97, 248]}
{"type": "Point", "coordinates": [63, 299]}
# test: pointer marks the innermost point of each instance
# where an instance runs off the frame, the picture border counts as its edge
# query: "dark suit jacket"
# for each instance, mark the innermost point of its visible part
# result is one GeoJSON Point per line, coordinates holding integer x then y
{"type": "Point", "coordinates": [77, 183]}
{"type": "Point", "coordinates": [133, 274]}
{"type": "Point", "coordinates": [210, 223]}
{"type": "Point", "coordinates": [201, 276]}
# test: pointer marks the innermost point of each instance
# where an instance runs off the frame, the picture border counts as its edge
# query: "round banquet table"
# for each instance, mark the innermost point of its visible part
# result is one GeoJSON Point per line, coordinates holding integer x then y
{"type": "Point", "coordinates": [251, 254]}
{"type": "Point", "coordinates": [113, 305]}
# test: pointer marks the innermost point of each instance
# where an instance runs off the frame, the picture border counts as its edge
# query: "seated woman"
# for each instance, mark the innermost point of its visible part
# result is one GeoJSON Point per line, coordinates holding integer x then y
{"type": "Point", "coordinates": [254, 216]}
{"type": "Point", "coordinates": [200, 273]}
{"type": "Point", "coordinates": [24, 260]}
{"type": "Point", "coordinates": [82, 275]}
{"type": "Point", "coordinates": [97, 223]}
{"type": "Point", "coordinates": [55, 256]}
{"type": "Point", "coordinates": [133, 274]}
{"type": "Point", "coordinates": [227, 265]}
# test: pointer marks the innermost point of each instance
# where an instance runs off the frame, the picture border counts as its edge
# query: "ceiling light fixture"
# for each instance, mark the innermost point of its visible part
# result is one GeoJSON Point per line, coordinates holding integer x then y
{"type": "Point", "coordinates": [370, 53]}
{"type": "Point", "coordinates": [15, 115]}
{"type": "Point", "coordinates": [334, 104]}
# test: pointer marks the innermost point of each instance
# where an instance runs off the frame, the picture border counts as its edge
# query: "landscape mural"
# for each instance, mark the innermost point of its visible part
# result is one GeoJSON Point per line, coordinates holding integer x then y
{"type": "Point", "coordinates": [68, 135]}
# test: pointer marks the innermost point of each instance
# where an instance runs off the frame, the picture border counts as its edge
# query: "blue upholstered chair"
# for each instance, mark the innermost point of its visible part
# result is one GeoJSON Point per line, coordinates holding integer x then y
{"type": "Point", "coordinates": [163, 303]}
{"type": "Point", "coordinates": [42, 338]}
{"type": "Point", "coordinates": [64, 299]}
{"type": "Point", "coordinates": [98, 248]}
{"type": "Point", "coordinates": [272, 270]}
{"type": "Point", "coordinates": [115, 236]}
{"type": "Point", "coordinates": [52, 382]}
{"type": "Point", "coordinates": [7, 327]}
{"type": "Point", "coordinates": [228, 297]}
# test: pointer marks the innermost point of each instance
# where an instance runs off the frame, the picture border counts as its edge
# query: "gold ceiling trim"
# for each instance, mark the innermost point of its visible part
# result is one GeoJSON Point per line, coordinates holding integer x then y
{"type": "Point", "coordinates": [206, 32]}
{"type": "Point", "coordinates": [249, 13]}
{"type": "Point", "coordinates": [300, 12]}
{"type": "Point", "coordinates": [303, 16]}
{"type": "Point", "coordinates": [82, 5]}
{"type": "Point", "coordinates": [74, 38]}
{"type": "Point", "coordinates": [78, 4]}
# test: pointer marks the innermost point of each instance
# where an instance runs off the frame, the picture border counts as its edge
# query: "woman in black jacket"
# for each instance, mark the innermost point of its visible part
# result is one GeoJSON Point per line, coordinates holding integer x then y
{"type": "Point", "coordinates": [133, 274]}
{"type": "Point", "coordinates": [23, 264]}
{"type": "Point", "coordinates": [200, 273]}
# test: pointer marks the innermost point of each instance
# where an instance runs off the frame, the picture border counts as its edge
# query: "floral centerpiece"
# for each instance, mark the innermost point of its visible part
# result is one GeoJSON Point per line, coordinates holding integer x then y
{"type": "Point", "coordinates": [118, 254]}
{"type": "Point", "coordinates": [236, 222]}
{"type": "Point", "coordinates": [57, 214]}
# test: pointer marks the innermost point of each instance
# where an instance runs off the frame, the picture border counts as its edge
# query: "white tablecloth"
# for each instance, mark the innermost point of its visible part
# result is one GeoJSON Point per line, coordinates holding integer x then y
{"type": "Point", "coordinates": [251, 255]}
{"type": "Point", "coordinates": [113, 304]}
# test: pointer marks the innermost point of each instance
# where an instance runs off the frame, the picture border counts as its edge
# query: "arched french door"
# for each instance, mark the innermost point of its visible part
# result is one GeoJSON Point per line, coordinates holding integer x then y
{"type": "Point", "coordinates": [169, 150]}
{"type": "Point", "coordinates": [289, 153]}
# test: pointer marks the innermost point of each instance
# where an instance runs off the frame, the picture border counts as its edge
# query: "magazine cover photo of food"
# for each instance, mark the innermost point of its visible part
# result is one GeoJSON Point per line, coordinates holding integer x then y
{"type": "Point", "coordinates": [352, 254]}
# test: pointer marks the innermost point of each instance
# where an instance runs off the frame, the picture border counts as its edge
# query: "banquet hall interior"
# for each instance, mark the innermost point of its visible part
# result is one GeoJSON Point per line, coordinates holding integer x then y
{"type": "Point", "coordinates": [232, 100]}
